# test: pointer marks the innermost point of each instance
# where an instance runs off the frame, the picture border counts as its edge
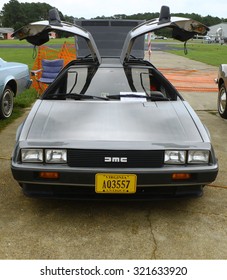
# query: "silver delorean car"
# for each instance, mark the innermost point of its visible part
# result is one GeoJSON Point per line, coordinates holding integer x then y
{"type": "Point", "coordinates": [112, 127]}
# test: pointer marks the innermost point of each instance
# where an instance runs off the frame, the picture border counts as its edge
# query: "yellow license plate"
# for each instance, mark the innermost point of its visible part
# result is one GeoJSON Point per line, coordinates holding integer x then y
{"type": "Point", "coordinates": [115, 183]}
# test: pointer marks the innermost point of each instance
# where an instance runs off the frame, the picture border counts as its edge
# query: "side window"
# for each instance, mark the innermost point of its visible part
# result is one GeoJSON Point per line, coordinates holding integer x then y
{"type": "Point", "coordinates": [136, 79]}
{"type": "Point", "coordinates": [151, 84]}
{"type": "Point", "coordinates": [76, 79]}
{"type": "Point", "coordinates": [145, 81]}
{"type": "Point", "coordinates": [150, 81]}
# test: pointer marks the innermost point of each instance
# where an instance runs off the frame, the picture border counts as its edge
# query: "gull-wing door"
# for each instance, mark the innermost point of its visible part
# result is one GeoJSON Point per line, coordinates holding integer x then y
{"type": "Point", "coordinates": [182, 29]}
{"type": "Point", "coordinates": [37, 33]}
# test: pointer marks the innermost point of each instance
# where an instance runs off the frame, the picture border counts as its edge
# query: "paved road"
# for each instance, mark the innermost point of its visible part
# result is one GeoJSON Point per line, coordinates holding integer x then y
{"type": "Point", "coordinates": [182, 229]}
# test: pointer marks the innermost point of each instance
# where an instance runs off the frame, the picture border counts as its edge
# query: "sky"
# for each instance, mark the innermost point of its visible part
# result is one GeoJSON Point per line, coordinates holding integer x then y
{"type": "Point", "coordinates": [92, 8]}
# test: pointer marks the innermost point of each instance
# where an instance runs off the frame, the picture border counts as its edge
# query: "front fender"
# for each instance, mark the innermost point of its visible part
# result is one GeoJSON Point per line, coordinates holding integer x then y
{"type": "Point", "coordinates": [6, 80]}
{"type": "Point", "coordinates": [19, 129]}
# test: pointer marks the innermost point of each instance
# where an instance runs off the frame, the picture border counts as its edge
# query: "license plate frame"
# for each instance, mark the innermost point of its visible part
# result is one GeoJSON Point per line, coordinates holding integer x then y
{"type": "Point", "coordinates": [112, 183]}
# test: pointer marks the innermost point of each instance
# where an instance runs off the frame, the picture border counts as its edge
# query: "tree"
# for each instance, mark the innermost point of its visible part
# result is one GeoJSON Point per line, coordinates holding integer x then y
{"type": "Point", "coordinates": [69, 19]}
{"type": "Point", "coordinates": [16, 15]}
{"type": "Point", "coordinates": [13, 15]}
{"type": "Point", "coordinates": [35, 11]}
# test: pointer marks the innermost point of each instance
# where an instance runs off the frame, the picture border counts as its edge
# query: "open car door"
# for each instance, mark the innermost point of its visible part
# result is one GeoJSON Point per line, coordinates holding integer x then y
{"type": "Point", "coordinates": [37, 33]}
{"type": "Point", "coordinates": [183, 29]}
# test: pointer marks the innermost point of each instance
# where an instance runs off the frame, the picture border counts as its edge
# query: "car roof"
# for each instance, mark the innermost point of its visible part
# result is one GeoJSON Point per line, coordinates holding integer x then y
{"type": "Point", "coordinates": [183, 29]}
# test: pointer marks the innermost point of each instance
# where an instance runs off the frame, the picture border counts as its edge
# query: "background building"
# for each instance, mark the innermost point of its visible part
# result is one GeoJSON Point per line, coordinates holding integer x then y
{"type": "Point", "coordinates": [218, 32]}
{"type": "Point", "coordinates": [5, 33]}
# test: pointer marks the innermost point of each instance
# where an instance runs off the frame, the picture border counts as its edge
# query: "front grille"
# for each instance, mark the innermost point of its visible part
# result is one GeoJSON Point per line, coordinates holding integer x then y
{"type": "Point", "coordinates": [116, 158]}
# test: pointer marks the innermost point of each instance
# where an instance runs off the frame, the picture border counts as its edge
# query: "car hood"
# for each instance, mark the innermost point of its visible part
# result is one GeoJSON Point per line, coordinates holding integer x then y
{"type": "Point", "coordinates": [105, 124]}
{"type": "Point", "coordinates": [4, 64]}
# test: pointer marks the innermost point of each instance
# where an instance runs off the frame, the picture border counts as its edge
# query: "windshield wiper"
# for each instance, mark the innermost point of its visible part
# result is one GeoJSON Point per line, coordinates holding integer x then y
{"type": "Point", "coordinates": [76, 96]}
{"type": "Point", "coordinates": [152, 97]}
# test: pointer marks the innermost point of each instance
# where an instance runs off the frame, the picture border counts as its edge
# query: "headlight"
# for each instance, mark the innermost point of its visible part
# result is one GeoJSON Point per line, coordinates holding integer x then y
{"type": "Point", "coordinates": [198, 157]}
{"type": "Point", "coordinates": [175, 157]}
{"type": "Point", "coordinates": [31, 155]}
{"type": "Point", "coordinates": [56, 156]}
{"type": "Point", "coordinates": [189, 157]}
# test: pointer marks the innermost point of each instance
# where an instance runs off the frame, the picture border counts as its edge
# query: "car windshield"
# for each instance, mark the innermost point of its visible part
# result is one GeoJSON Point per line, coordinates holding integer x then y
{"type": "Point", "coordinates": [107, 82]}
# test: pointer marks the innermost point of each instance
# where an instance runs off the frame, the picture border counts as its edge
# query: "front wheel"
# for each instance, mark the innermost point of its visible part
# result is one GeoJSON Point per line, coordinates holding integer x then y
{"type": "Point", "coordinates": [222, 102]}
{"type": "Point", "coordinates": [6, 103]}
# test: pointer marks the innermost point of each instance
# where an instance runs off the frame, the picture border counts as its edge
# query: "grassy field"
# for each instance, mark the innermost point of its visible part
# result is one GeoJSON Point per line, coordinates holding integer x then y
{"type": "Point", "coordinates": [24, 42]}
{"type": "Point", "coordinates": [26, 54]}
{"type": "Point", "coordinates": [213, 54]}
{"type": "Point", "coordinates": [23, 55]}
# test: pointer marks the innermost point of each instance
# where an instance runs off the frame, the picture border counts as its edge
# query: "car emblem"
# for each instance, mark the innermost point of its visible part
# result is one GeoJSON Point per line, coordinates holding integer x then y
{"type": "Point", "coordinates": [116, 159]}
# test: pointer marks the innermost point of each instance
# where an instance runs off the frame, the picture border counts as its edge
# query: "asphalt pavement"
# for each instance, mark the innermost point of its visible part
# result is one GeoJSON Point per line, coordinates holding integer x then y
{"type": "Point", "coordinates": [176, 229]}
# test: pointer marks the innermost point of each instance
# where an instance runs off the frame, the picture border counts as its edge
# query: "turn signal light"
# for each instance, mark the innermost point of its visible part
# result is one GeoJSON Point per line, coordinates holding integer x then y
{"type": "Point", "coordinates": [49, 175]}
{"type": "Point", "coordinates": [181, 176]}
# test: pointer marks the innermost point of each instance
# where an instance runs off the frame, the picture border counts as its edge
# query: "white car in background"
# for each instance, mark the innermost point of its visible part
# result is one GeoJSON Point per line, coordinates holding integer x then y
{"type": "Point", "coordinates": [14, 79]}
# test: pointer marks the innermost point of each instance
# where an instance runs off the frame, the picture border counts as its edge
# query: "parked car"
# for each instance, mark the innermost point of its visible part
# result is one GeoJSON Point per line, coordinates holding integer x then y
{"type": "Point", "coordinates": [207, 39]}
{"type": "Point", "coordinates": [112, 127]}
{"type": "Point", "coordinates": [14, 79]}
{"type": "Point", "coordinates": [222, 86]}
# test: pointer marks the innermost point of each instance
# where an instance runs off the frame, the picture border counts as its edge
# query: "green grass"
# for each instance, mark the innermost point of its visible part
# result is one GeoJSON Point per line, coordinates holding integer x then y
{"type": "Point", "coordinates": [212, 54]}
{"type": "Point", "coordinates": [50, 42]}
{"type": "Point", "coordinates": [23, 55]}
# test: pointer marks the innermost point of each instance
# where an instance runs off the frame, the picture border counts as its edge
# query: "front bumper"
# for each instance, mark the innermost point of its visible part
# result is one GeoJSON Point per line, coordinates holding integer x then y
{"type": "Point", "coordinates": [78, 183]}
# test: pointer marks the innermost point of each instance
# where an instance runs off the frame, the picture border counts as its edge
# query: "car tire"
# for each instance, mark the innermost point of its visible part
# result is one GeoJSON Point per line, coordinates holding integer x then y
{"type": "Point", "coordinates": [6, 103]}
{"type": "Point", "coordinates": [222, 102]}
